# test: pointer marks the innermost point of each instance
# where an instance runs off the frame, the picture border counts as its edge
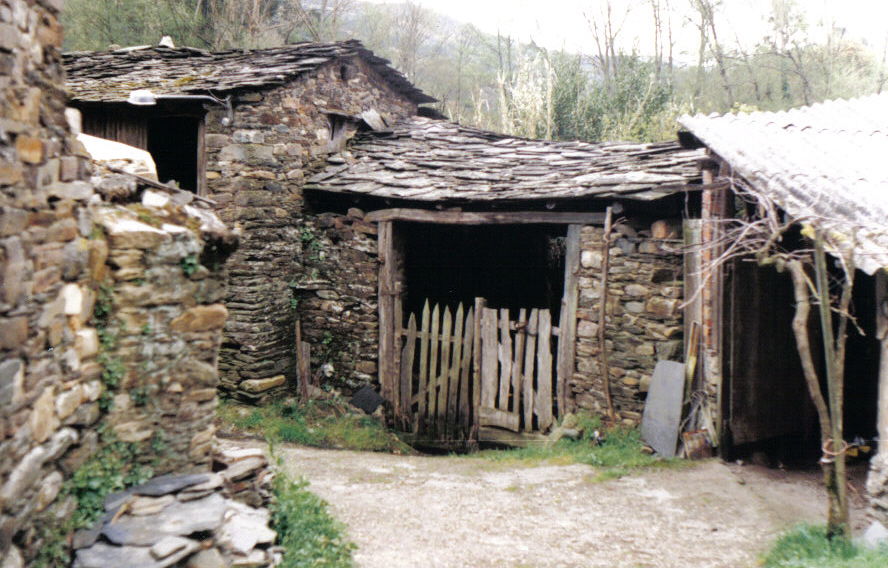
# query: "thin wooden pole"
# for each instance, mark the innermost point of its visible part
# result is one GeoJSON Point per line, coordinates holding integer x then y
{"type": "Point", "coordinates": [602, 315]}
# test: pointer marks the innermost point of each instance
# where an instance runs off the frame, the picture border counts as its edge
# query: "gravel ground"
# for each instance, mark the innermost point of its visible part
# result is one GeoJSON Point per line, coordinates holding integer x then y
{"type": "Point", "coordinates": [422, 511]}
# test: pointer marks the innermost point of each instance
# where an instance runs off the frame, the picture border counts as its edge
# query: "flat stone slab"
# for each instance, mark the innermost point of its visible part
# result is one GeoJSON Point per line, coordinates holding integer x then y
{"type": "Point", "coordinates": [177, 519]}
{"type": "Point", "coordinates": [157, 487]}
{"type": "Point", "coordinates": [661, 421]}
{"type": "Point", "coordinates": [102, 555]}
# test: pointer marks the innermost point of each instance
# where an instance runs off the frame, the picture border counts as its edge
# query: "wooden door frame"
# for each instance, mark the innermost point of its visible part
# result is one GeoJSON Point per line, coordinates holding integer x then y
{"type": "Point", "coordinates": [391, 250]}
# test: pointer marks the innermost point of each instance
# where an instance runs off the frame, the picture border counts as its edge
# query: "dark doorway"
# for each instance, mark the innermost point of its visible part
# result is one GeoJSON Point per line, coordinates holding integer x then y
{"type": "Point", "coordinates": [173, 143]}
{"type": "Point", "coordinates": [769, 413]}
{"type": "Point", "coordinates": [512, 266]}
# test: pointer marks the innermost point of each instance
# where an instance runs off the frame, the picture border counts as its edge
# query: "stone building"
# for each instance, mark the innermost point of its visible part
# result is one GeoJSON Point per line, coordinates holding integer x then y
{"type": "Point", "coordinates": [98, 315]}
{"type": "Point", "coordinates": [314, 253]}
{"type": "Point", "coordinates": [283, 108]}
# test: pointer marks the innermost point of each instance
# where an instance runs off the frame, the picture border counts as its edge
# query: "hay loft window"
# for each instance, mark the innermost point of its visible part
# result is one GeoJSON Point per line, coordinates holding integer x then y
{"type": "Point", "coordinates": [171, 131]}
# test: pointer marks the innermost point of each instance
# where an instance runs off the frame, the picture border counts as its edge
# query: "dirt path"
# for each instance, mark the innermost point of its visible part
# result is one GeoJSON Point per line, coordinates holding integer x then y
{"type": "Point", "coordinates": [411, 511]}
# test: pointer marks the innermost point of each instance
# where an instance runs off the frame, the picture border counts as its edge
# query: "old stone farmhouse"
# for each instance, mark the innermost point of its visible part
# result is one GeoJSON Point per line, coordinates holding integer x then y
{"type": "Point", "coordinates": [406, 210]}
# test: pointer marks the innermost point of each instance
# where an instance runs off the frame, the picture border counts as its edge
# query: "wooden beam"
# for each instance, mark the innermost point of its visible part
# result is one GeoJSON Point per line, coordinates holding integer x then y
{"type": "Point", "coordinates": [388, 372]}
{"type": "Point", "coordinates": [567, 338]}
{"type": "Point", "coordinates": [486, 218]}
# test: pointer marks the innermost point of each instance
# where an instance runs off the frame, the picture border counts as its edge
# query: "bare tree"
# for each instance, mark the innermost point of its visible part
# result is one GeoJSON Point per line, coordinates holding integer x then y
{"type": "Point", "coordinates": [758, 236]}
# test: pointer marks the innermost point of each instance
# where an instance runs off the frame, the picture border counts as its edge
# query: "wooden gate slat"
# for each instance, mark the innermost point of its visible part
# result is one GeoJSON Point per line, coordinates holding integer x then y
{"type": "Point", "coordinates": [518, 360]}
{"type": "Point", "coordinates": [433, 367]}
{"type": "Point", "coordinates": [529, 357]}
{"type": "Point", "coordinates": [544, 370]}
{"type": "Point", "coordinates": [455, 365]}
{"type": "Point", "coordinates": [499, 418]}
{"type": "Point", "coordinates": [505, 360]}
{"type": "Point", "coordinates": [488, 358]}
{"type": "Point", "coordinates": [406, 377]}
{"type": "Point", "coordinates": [422, 393]}
{"type": "Point", "coordinates": [465, 369]}
{"type": "Point", "coordinates": [443, 376]}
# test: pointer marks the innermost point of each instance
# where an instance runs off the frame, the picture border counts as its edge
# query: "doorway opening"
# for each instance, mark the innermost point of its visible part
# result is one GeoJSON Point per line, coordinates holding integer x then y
{"type": "Point", "coordinates": [512, 266]}
{"type": "Point", "coordinates": [769, 412]}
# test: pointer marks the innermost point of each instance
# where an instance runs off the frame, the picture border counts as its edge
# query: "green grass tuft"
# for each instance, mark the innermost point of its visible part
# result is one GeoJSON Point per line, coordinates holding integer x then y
{"type": "Point", "coordinates": [318, 423]}
{"type": "Point", "coordinates": [309, 535]}
{"type": "Point", "coordinates": [808, 546]}
{"type": "Point", "coordinates": [620, 451]}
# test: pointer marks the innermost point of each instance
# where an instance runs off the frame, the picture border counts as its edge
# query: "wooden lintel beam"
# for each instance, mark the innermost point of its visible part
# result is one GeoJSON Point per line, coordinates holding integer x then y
{"type": "Point", "coordinates": [486, 218]}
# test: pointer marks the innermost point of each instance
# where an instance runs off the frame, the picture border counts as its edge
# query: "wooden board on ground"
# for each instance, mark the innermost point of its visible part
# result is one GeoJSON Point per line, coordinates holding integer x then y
{"type": "Point", "coordinates": [661, 420]}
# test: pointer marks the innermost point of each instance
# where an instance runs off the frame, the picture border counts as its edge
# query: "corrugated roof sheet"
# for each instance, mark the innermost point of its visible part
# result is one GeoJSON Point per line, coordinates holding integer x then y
{"type": "Point", "coordinates": [825, 164]}
{"type": "Point", "coordinates": [425, 159]}
{"type": "Point", "coordinates": [109, 76]}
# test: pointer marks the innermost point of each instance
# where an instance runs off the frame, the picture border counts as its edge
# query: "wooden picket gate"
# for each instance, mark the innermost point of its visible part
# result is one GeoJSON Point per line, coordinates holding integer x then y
{"type": "Point", "coordinates": [436, 377]}
{"type": "Point", "coordinates": [465, 377]}
{"type": "Point", "coordinates": [516, 371]}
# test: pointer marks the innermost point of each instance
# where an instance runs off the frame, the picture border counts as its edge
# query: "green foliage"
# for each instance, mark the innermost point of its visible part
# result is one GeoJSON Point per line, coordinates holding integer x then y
{"type": "Point", "coordinates": [112, 468]}
{"type": "Point", "coordinates": [320, 423]}
{"type": "Point", "coordinates": [309, 535]}
{"type": "Point", "coordinates": [139, 395]}
{"type": "Point", "coordinates": [809, 547]}
{"type": "Point", "coordinates": [104, 303]}
{"type": "Point", "coordinates": [189, 264]}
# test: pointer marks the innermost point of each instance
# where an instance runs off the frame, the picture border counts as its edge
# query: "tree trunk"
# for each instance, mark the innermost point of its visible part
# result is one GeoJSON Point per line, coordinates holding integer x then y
{"type": "Point", "coordinates": [833, 475]}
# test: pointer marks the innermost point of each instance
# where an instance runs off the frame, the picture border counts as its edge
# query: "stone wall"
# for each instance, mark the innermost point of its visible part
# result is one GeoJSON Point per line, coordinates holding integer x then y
{"type": "Point", "coordinates": [161, 317]}
{"type": "Point", "coordinates": [48, 350]}
{"type": "Point", "coordinates": [643, 323]}
{"type": "Point", "coordinates": [256, 168]}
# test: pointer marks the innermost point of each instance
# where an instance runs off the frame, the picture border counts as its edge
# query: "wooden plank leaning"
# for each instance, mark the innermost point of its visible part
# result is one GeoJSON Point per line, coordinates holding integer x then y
{"type": "Point", "coordinates": [407, 357]}
{"type": "Point", "coordinates": [465, 398]}
{"type": "Point", "coordinates": [422, 391]}
{"type": "Point", "coordinates": [489, 368]}
{"type": "Point", "coordinates": [435, 343]}
{"type": "Point", "coordinates": [504, 352]}
{"type": "Point", "coordinates": [529, 358]}
{"type": "Point", "coordinates": [443, 375]}
{"type": "Point", "coordinates": [544, 370]}
{"type": "Point", "coordinates": [453, 379]}
{"type": "Point", "coordinates": [518, 360]}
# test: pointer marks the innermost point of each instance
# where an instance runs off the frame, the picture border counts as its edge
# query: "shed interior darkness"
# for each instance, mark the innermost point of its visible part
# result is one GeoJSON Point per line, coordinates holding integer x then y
{"type": "Point", "coordinates": [769, 411]}
{"type": "Point", "coordinates": [512, 266]}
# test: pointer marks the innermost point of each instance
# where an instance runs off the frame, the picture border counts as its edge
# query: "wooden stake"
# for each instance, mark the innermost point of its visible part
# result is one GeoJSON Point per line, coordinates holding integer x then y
{"type": "Point", "coordinates": [602, 315]}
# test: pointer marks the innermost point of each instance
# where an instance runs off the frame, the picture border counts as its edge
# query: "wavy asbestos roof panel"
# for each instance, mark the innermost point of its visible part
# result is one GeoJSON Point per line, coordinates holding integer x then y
{"type": "Point", "coordinates": [424, 159]}
{"type": "Point", "coordinates": [824, 164]}
{"type": "Point", "coordinates": [109, 76]}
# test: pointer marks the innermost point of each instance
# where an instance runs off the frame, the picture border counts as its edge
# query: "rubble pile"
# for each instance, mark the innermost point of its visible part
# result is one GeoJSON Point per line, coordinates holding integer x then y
{"type": "Point", "coordinates": [202, 520]}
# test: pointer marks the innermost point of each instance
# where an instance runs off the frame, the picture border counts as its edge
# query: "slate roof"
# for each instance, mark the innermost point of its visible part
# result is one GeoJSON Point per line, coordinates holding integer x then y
{"type": "Point", "coordinates": [424, 159]}
{"type": "Point", "coordinates": [109, 76]}
{"type": "Point", "coordinates": [824, 164]}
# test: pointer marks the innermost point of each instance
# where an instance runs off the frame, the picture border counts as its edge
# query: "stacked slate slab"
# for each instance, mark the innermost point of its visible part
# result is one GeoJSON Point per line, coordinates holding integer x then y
{"type": "Point", "coordinates": [188, 520]}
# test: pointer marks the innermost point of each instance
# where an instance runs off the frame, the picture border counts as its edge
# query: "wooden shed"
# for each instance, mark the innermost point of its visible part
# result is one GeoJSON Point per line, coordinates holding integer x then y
{"type": "Point", "coordinates": [823, 166]}
{"type": "Point", "coordinates": [491, 252]}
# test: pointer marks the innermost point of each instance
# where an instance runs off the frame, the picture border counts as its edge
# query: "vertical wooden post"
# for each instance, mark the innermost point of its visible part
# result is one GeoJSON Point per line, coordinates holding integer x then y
{"type": "Point", "coordinates": [602, 316]}
{"type": "Point", "coordinates": [882, 334]}
{"type": "Point", "coordinates": [714, 209]}
{"type": "Point", "coordinates": [388, 373]}
{"type": "Point", "coordinates": [567, 339]}
{"type": "Point", "coordinates": [480, 304]}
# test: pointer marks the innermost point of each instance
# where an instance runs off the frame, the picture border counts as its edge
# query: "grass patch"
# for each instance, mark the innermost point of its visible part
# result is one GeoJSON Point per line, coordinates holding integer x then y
{"type": "Point", "coordinates": [318, 423]}
{"type": "Point", "coordinates": [618, 450]}
{"type": "Point", "coordinates": [807, 546]}
{"type": "Point", "coordinates": [309, 535]}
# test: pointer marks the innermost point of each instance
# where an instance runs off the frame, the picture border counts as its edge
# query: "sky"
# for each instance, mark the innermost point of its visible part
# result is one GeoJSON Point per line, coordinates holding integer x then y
{"type": "Point", "coordinates": [557, 24]}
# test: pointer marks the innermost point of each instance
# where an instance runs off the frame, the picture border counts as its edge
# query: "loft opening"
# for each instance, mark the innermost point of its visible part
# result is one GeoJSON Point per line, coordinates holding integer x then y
{"type": "Point", "coordinates": [512, 266]}
{"type": "Point", "coordinates": [172, 132]}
